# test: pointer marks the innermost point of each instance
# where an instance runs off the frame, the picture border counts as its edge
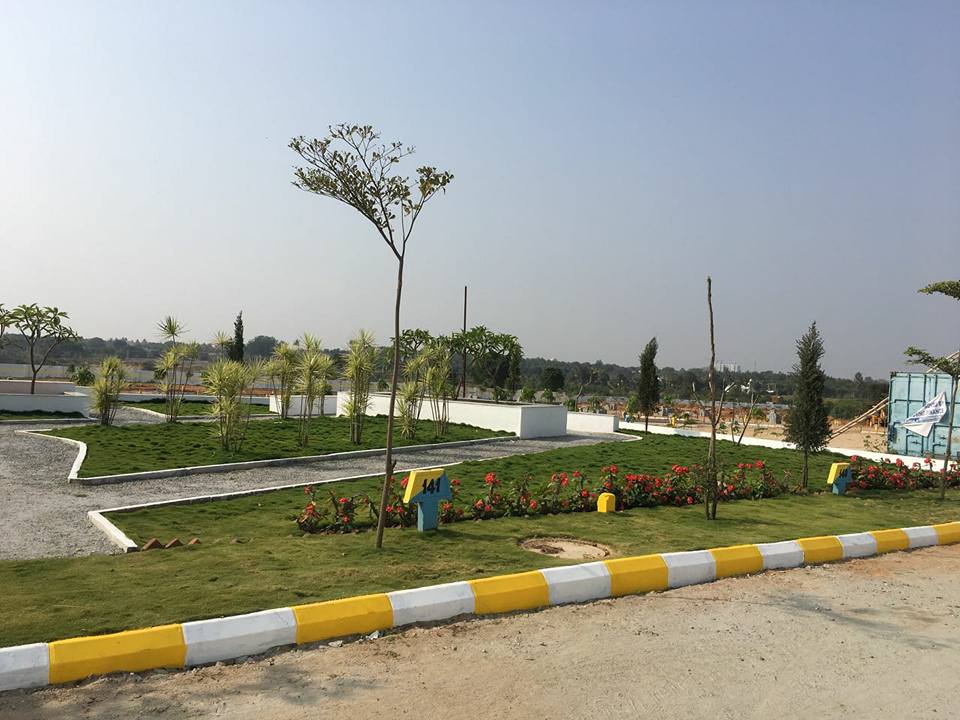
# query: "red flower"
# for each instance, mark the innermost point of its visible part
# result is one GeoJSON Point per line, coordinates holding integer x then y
{"type": "Point", "coordinates": [577, 474]}
{"type": "Point", "coordinates": [344, 519]}
{"type": "Point", "coordinates": [584, 493]}
{"type": "Point", "coordinates": [533, 504]}
{"type": "Point", "coordinates": [455, 482]}
{"type": "Point", "coordinates": [389, 508]}
{"type": "Point", "coordinates": [403, 483]}
{"type": "Point", "coordinates": [689, 500]}
{"type": "Point", "coordinates": [487, 508]}
{"type": "Point", "coordinates": [343, 501]}
{"type": "Point", "coordinates": [490, 478]}
{"type": "Point", "coordinates": [613, 469]}
{"type": "Point", "coordinates": [854, 458]}
{"type": "Point", "coordinates": [478, 504]}
{"type": "Point", "coordinates": [759, 464]}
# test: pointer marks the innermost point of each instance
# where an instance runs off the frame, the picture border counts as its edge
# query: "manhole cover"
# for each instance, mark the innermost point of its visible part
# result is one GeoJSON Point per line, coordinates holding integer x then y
{"type": "Point", "coordinates": [566, 548]}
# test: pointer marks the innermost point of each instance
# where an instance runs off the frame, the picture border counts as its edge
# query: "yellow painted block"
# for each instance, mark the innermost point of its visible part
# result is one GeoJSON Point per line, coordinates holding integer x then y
{"type": "Point", "coordinates": [417, 479]}
{"type": "Point", "coordinates": [637, 574]}
{"type": "Point", "coordinates": [336, 618]}
{"type": "Point", "coordinates": [505, 593]}
{"type": "Point", "coordinates": [607, 502]}
{"type": "Point", "coordinates": [836, 470]}
{"type": "Point", "coordinates": [948, 533]}
{"type": "Point", "coordinates": [130, 651]}
{"type": "Point", "coordinates": [890, 540]}
{"type": "Point", "coordinates": [821, 549]}
{"type": "Point", "coordinates": [737, 560]}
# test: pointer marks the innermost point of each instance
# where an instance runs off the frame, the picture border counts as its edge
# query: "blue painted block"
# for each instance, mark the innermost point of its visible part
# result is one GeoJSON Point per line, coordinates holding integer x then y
{"type": "Point", "coordinates": [840, 484]}
{"type": "Point", "coordinates": [428, 502]}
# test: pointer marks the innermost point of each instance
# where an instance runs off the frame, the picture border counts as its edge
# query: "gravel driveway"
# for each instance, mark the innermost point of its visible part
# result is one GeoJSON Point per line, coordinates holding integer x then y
{"type": "Point", "coordinates": [42, 515]}
{"type": "Point", "coordinates": [866, 639]}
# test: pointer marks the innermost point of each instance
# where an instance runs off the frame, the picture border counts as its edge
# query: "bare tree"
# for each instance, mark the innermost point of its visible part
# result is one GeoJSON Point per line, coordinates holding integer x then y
{"type": "Point", "coordinates": [353, 166]}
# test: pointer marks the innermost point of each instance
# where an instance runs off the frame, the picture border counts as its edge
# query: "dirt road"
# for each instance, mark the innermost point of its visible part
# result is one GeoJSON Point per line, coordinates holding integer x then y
{"type": "Point", "coordinates": [876, 638]}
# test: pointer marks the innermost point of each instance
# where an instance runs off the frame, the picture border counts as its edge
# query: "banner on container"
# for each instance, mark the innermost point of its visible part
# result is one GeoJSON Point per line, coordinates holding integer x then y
{"type": "Point", "coordinates": [922, 421]}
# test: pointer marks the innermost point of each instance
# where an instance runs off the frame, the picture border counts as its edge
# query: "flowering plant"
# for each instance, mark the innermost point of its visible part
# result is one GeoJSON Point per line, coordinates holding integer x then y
{"type": "Point", "coordinates": [897, 475]}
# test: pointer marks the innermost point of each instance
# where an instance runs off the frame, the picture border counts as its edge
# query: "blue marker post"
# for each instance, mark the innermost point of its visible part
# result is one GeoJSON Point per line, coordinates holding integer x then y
{"type": "Point", "coordinates": [431, 491]}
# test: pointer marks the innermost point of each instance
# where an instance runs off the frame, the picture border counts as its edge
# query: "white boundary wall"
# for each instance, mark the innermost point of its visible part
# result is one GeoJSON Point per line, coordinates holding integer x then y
{"type": "Point", "coordinates": [49, 397]}
{"type": "Point", "coordinates": [526, 421]}
{"type": "Point", "coordinates": [592, 422]}
{"type": "Point", "coordinates": [296, 405]}
{"type": "Point", "coordinates": [780, 444]}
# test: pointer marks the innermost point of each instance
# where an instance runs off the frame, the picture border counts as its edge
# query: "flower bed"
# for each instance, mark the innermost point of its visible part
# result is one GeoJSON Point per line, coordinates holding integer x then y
{"type": "Point", "coordinates": [561, 493]}
{"type": "Point", "coordinates": [868, 475]}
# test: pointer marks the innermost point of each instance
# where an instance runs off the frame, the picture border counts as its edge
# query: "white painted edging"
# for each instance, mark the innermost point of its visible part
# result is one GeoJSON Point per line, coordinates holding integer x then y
{"type": "Point", "coordinates": [785, 554]}
{"type": "Point", "coordinates": [245, 465]}
{"type": "Point", "coordinates": [577, 583]}
{"type": "Point", "coordinates": [24, 666]}
{"type": "Point", "coordinates": [429, 604]}
{"type": "Point", "coordinates": [236, 636]}
{"type": "Point", "coordinates": [113, 533]}
{"type": "Point", "coordinates": [690, 568]}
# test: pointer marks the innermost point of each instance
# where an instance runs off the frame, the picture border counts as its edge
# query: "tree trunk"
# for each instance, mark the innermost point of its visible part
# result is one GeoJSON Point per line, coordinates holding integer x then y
{"type": "Point", "coordinates": [388, 466]}
{"type": "Point", "coordinates": [646, 423]}
{"type": "Point", "coordinates": [710, 501]}
{"type": "Point", "coordinates": [946, 454]}
{"type": "Point", "coordinates": [806, 470]}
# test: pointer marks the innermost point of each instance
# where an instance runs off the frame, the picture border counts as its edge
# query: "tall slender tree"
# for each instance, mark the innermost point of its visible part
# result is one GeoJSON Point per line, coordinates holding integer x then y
{"type": "Point", "coordinates": [352, 165]}
{"type": "Point", "coordinates": [807, 424]}
{"type": "Point", "coordinates": [949, 364]}
{"type": "Point", "coordinates": [648, 389]}
{"type": "Point", "coordinates": [236, 347]}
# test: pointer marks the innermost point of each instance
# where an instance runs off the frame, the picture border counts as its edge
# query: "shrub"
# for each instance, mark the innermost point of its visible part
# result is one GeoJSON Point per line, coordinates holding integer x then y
{"type": "Point", "coordinates": [897, 475]}
{"type": "Point", "coordinates": [562, 493]}
{"type": "Point", "coordinates": [110, 381]}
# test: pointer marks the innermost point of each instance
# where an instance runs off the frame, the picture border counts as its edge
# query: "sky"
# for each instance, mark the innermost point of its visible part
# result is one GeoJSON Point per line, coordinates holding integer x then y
{"type": "Point", "coordinates": [607, 157]}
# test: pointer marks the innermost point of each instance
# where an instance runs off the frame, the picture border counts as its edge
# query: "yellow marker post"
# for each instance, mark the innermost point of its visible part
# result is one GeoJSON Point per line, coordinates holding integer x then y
{"type": "Point", "coordinates": [607, 502]}
{"type": "Point", "coordinates": [418, 480]}
{"type": "Point", "coordinates": [836, 470]}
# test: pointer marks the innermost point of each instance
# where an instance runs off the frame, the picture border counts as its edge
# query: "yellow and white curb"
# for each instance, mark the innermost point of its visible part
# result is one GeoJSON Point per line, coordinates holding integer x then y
{"type": "Point", "coordinates": [206, 641]}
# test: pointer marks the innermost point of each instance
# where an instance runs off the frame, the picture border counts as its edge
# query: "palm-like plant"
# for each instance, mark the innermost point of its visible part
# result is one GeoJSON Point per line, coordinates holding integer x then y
{"type": "Point", "coordinates": [109, 383]}
{"type": "Point", "coordinates": [222, 342]}
{"type": "Point", "coordinates": [230, 382]}
{"type": "Point", "coordinates": [171, 329]}
{"type": "Point", "coordinates": [358, 370]}
{"type": "Point", "coordinates": [439, 361]}
{"type": "Point", "coordinates": [314, 369]}
{"type": "Point", "coordinates": [282, 370]}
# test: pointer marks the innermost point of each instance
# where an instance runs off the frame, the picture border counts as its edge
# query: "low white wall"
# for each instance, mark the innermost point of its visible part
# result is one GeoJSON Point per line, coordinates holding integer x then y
{"type": "Point", "coordinates": [295, 408]}
{"type": "Point", "coordinates": [131, 397]}
{"type": "Point", "coordinates": [526, 421]}
{"type": "Point", "coordinates": [780, 444]}
{"type": "Point", "coordinates": [592, 422]}
{"type": "Point", "coordinates": [43, 387]}
{"type": "Point", "coordinates": [64, 403]}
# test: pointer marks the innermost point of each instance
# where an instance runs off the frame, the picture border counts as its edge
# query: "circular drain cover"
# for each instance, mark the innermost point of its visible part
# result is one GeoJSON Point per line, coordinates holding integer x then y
{"type": "Point", "coordinates": [566, 548]}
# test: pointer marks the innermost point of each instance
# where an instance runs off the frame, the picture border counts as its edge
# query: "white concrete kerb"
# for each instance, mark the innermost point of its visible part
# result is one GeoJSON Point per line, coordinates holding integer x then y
{"type": "Point", "coordinates": [429, 604]}
{"type": "Point", "coordinates": [225, 638]}
{"type": "Point", "coordinates": [577, 583]}
{"type": "Point", "coordinates": [24, 666]}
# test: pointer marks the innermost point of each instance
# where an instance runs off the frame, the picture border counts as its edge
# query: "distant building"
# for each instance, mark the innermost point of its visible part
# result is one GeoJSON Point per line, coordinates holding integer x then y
{"type": "Point", "coordinates": [728, 367]}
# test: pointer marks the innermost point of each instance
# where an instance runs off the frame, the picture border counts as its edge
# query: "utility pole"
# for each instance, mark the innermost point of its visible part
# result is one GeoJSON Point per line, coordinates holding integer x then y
{"type": "Point", "coordinates": [464, 352]}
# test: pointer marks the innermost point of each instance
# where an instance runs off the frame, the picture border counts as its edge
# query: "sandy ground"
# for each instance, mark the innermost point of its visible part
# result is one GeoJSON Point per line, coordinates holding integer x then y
{"type": "Point", "coordinates": [858, 438]}
{"type": "Point", "coordinates": [877, 638]}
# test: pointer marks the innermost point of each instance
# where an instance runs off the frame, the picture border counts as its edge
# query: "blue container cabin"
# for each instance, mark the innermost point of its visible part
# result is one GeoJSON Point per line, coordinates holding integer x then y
{"type": "Point", "coordinates": [908, 393]}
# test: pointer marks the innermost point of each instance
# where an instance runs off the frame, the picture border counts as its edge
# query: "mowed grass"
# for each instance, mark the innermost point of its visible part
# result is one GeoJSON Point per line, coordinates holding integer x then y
{"type": "Point", "coordinates": [270, 514]}
{"type": "Point", "coordinates": [252, 557]}
{"type": "Point", "coordinates": [15, 415]}
{"type": "Point", "coordinates": [134, 448]}
{"type": "Point", "coordinates": [191, 407]}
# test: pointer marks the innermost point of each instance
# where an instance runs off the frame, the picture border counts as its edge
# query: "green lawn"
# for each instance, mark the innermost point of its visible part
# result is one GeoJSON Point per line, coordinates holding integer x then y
{"type": "Point", "coordinates": [190, 407]}
{"type": "Point", "coordinates": [14, 416]}
{"type": "Point", "coordinates": [252, 557]}
{"type": "Point", "coordinates": [133, 448]}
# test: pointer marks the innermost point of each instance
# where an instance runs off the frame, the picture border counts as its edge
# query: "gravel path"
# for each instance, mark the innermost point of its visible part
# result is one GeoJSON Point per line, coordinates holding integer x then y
{"type": "Point", "coordinates": [870, 639]}
{"type": "Point", "coordinates": [42, 515]}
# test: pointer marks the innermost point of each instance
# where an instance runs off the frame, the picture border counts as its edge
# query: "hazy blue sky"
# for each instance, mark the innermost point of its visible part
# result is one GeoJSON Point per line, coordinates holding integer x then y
{"type": "Point", "coordinates": [607, 157]}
